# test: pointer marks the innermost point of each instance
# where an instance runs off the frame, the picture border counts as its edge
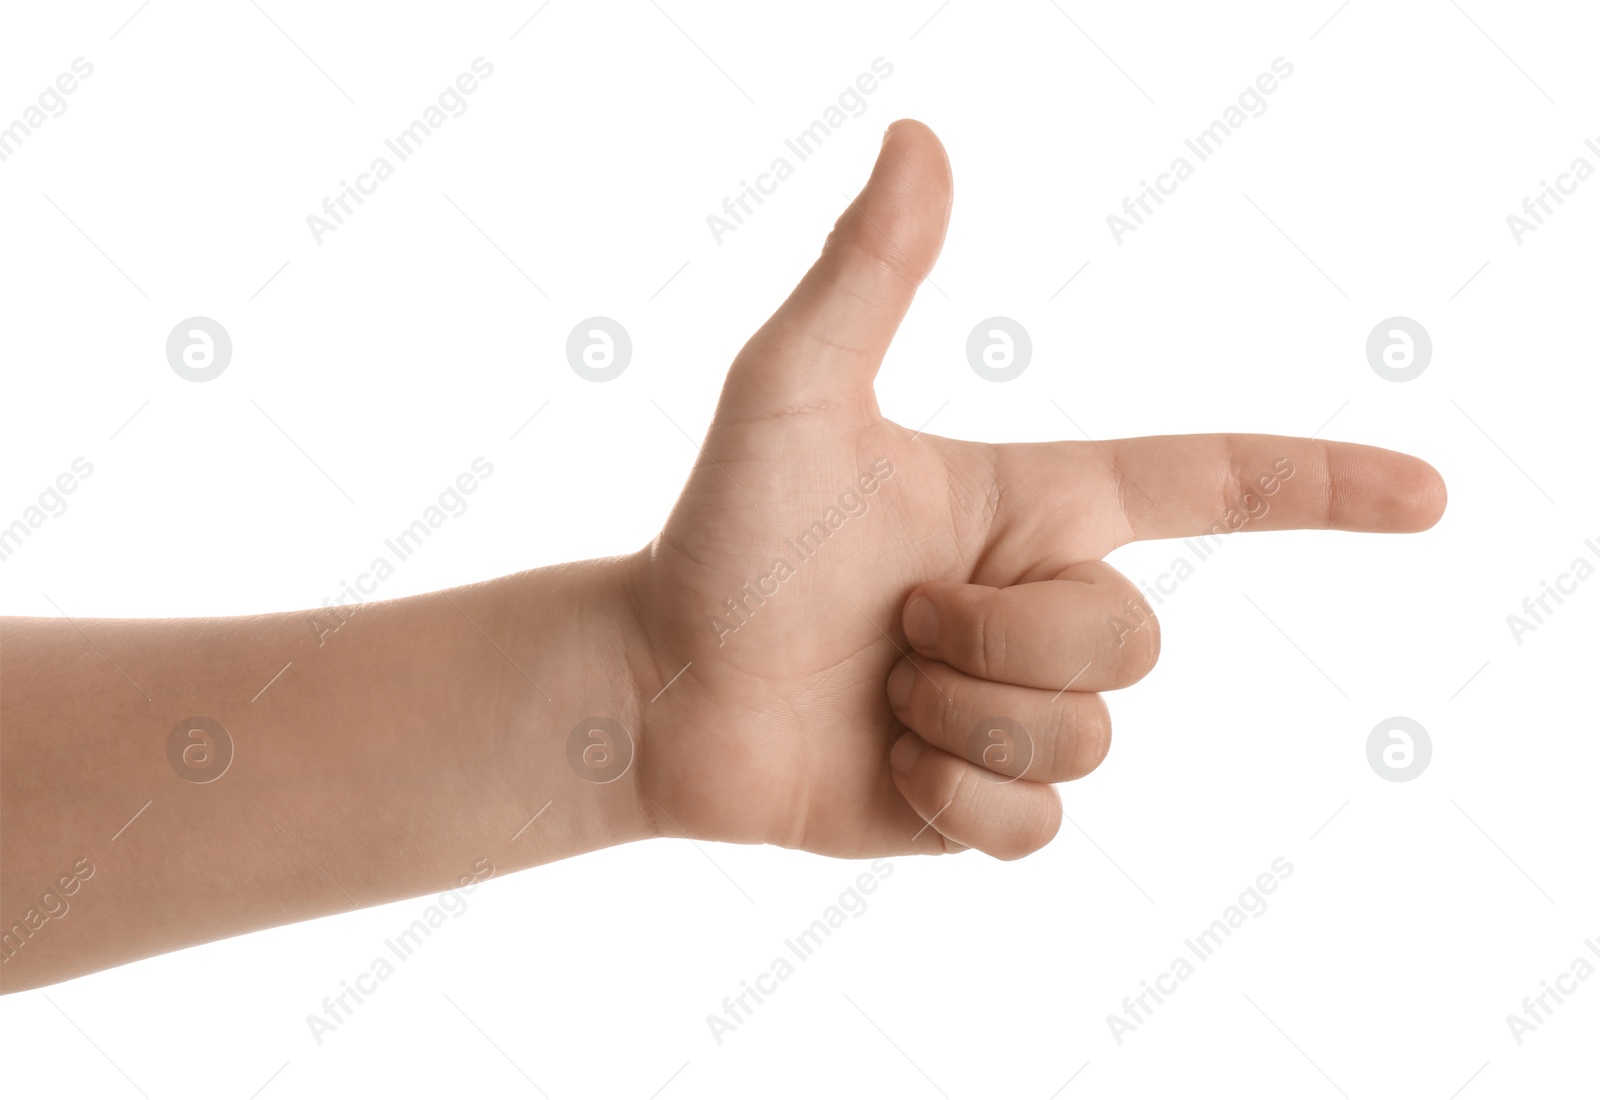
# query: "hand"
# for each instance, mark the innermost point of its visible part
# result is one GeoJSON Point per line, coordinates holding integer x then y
{"type": "Point", "coordinates": [833, 579]}
{"type": "Point", "coordinates": [828, 581]}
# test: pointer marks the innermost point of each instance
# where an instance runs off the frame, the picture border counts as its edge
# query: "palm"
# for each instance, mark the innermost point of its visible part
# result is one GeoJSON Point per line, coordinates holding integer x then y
{"type": "Point", "coordinates": [783, 704]}
{"type": "Point", "coordinates": [777, 585]}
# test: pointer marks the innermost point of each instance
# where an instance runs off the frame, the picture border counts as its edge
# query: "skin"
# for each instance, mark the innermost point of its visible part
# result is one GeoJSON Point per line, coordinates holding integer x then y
{"type": "Point", "coordinates": [423, 744]}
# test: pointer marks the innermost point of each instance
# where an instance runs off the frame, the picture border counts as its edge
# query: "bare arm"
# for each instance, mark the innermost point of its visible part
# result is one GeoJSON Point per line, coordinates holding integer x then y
{"type": "Point", "coordinates": [400, 750]}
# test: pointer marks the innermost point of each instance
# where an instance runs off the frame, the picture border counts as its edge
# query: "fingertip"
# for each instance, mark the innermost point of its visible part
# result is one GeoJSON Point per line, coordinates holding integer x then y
{"type": "Point", "coordinates": [1378, 489]}
{"type": "Point", "coordinates": [824, 345]}
{"type": "Point", "coordinates": [900, 685]}
{"type": "Point", "coordinates": [902, 213]}
{"type": "Point", "coordinates": [1038, 829]}
{"type": "Point", "coordinates": [913, 137]}
{"type": "Point", "coordinates": [1418, 493]}
{"type": "Point", "coordinates": [1432, 496]}
{"type": "Point", "coordinates": [903, 756]}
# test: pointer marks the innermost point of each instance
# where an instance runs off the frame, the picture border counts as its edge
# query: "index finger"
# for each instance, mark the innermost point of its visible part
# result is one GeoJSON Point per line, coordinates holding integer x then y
{"type": "Point", "coordinates": [1178, 486]}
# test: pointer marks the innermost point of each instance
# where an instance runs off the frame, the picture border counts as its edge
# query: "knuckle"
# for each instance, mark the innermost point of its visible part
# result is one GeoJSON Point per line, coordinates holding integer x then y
{"type": "Point", "coordinates": [1055, 751]}
{"type": "Point", "coordinates": [875, 246]}
{"type": "Point", "coordinates": [1079, 742]}
{"type": "Point", "coordinates": [948, 786]}
{"type": "Point", "coordinates": [1233, 477]}
{"type": "Point", "coordinates": [947, 703]}
{"type": "Point", "coordinates": [989, 660]}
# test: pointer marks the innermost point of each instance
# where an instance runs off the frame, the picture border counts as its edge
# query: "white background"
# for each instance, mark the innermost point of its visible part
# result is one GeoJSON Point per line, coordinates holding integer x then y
{"type": "Point", "coordinates": [412, 340]}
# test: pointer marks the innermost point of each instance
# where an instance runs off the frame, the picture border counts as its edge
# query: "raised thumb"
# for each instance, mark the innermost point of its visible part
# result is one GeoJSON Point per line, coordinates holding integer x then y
{"type": "Point", "coordinates": [824, 344]}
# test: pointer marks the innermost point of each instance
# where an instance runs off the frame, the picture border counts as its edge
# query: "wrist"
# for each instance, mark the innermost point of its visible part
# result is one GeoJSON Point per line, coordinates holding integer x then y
{"type": "Point", "coordinates": [578, 705]}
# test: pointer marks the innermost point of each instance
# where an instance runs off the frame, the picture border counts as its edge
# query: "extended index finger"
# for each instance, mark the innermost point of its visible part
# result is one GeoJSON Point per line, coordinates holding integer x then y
{"type": "Point", "coordinates": [1178, 486]}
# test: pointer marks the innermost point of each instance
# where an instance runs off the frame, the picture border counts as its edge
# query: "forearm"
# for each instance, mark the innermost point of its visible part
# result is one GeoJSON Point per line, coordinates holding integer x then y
{"type": "Point", "coordinates": [396, 749]}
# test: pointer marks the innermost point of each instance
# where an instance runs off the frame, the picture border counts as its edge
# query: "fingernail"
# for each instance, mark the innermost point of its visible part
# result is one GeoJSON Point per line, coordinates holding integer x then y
{"type": "Point", "coordinates": [905, 753]}
{"type": "Point", "coordinates": [900, 682]}
{"type": "Point", "coordinates": [921, 623]}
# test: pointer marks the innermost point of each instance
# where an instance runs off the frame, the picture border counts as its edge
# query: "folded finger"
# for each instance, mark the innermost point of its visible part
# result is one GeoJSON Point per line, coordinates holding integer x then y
{"type": "Point", "coordinates": [969, 806]}
{"type": "Point", "coordinates": [1089, 629]}
{"type": "Point", "coordinates": [1016, 732]}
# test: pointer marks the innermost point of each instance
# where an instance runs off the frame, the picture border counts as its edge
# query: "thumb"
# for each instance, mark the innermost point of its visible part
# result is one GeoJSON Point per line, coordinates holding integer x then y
{"type": "Point", "coordinates": [824, 345]}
